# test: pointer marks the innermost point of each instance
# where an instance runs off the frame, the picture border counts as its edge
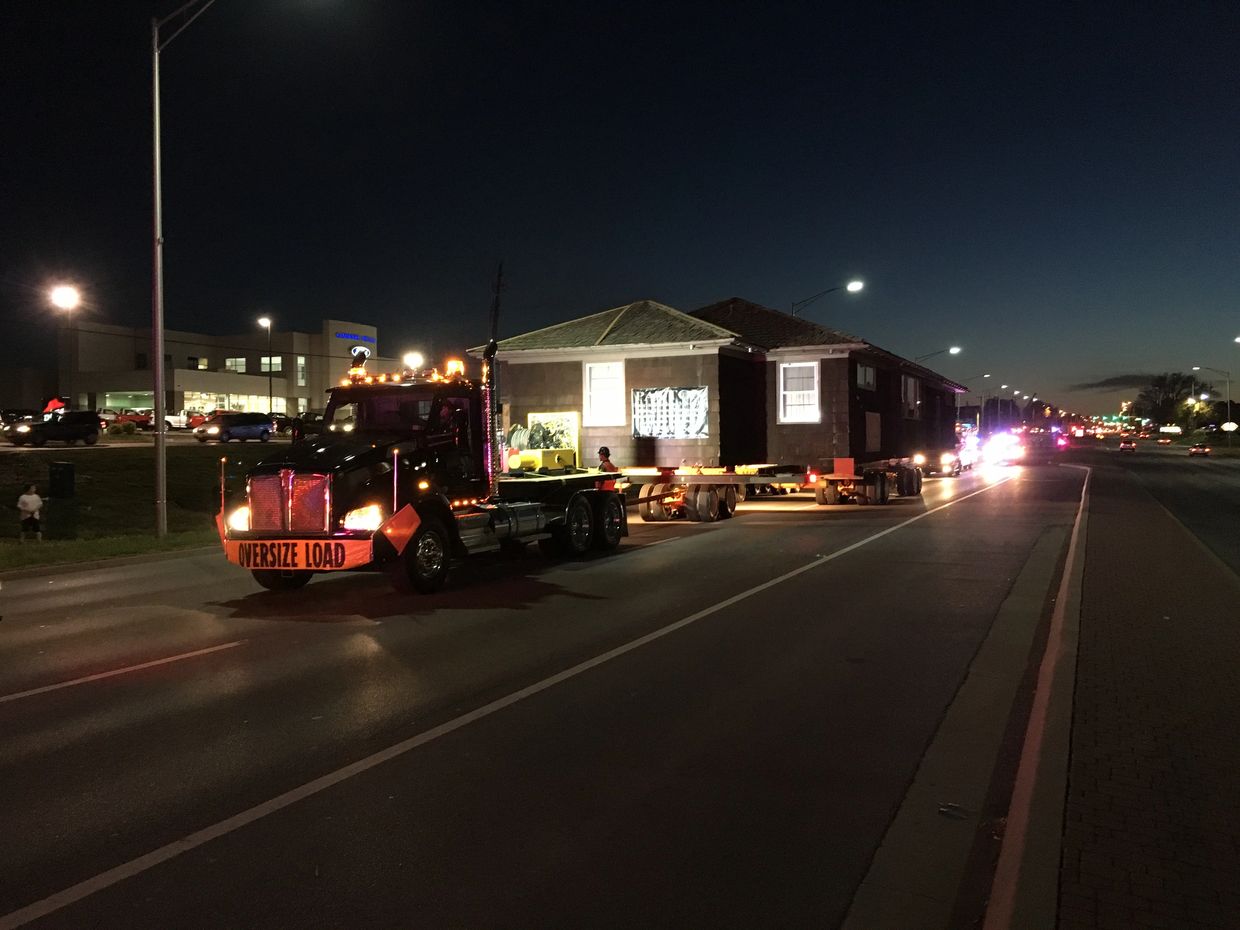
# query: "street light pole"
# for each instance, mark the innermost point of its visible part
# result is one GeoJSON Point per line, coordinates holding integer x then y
{"type": "Point", "coordinates": [265, 322]}
{"type": "Point", "coordinates": [157, 283]}
{"type": "Point", "coordinates": [852, 287]}
{"type": "Point", "coordinates": [1227, 375]}
{"type": "Point", "coordinates": [953, 350]}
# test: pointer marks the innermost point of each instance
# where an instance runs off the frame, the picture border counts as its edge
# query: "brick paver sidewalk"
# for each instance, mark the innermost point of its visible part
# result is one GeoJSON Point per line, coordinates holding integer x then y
{"type": "Point", "coordinates": [1152, 824]}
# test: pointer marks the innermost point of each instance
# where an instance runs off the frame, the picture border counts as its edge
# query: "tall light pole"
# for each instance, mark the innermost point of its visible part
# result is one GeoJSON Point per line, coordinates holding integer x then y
{"type": "Point", "coordinates": [187, 14]}
{"type": "Point", "coordinates": [265, 323]}
{"type": "Point", "coordinates": [951, 350]}
{"type": "Point", "coordinates": [981, 397]}
{"type": "Point", "coordinates": [852, 287]}
{"type": "Point", "coordinates": [1227, 375]}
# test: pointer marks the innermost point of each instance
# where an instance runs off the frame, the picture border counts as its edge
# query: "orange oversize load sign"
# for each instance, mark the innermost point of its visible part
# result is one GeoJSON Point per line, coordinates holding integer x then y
{"type": "Point", "coordinates": [316, 555]}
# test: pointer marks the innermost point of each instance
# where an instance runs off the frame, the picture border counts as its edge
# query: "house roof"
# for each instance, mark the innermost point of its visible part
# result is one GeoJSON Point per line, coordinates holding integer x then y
{"type": "Point", "coordinates": [771, 329]}
{"type": "Point", "coordinates": [643, 322]}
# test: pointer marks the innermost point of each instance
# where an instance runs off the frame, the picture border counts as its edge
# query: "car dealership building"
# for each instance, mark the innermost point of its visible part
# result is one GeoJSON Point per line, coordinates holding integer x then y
{"type": "Point", "coordinates": [103, 366]}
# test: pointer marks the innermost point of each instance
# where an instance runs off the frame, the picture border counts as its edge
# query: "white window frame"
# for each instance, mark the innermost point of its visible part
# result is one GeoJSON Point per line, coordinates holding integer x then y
{"type": "Point", "coordinates": [616, 413]}
{"type": "Point", "coordinates": [271, 364]}
{"type": "Point", "coordinates": [871, 383]}
{"type": "Point", "coordinates": [230, 364]}
{"type": "Point", "coordinates": [804, 413]}
{"type": "Point", "coordinates": [911, 404]}
{"type": "Point", "coordinates": [301, 371]}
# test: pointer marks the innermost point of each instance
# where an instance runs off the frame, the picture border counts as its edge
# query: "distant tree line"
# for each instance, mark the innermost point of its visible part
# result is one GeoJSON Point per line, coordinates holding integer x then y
{"type": "Point", "coordinates": [1174, 397]}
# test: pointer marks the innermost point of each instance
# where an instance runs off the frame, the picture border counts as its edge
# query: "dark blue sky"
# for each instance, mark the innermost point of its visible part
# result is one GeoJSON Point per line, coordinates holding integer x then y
{"type": "Point", "coordinates": [1055, 188]}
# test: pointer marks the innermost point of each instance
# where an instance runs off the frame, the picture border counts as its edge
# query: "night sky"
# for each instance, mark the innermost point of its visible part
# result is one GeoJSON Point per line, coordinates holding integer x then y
{"type": "Point", "coordinates": [1057, 189]}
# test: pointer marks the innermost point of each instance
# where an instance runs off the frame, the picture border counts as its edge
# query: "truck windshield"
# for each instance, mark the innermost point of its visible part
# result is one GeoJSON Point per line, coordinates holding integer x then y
{"type": "Point", "coordinates": [400, 411]}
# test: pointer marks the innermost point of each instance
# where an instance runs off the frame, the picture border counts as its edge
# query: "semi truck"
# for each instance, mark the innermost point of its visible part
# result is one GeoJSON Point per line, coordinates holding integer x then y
{"type": "Point", "coordinates": [413, 483]}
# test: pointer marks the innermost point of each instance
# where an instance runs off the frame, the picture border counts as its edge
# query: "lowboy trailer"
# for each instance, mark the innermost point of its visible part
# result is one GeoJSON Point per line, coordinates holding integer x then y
{"type": "Point", "coordinates": [706, 494]}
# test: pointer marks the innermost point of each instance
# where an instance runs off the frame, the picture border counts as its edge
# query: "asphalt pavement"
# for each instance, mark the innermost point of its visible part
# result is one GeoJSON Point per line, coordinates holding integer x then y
{"type": "Point", "coordinates": [719, 725]}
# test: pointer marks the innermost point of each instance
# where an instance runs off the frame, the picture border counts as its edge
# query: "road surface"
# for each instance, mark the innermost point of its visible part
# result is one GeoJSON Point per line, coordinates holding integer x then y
{"type": "Point", "coordinates": [716, 726]}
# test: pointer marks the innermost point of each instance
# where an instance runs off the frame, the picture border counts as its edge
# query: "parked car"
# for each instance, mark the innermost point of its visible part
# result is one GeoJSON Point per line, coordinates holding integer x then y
{"type": "Point", "coordinates": [282, 421]}
{"type": "Point", "coordinates": [198, 418]}
{"type": "Point", "coordinates": [240, 426]}
{"type": "Point", "coordinates": [139, 418]}
{"type": "Point", "coordinates": [1199, 448]}
{"type": "Point", "coordinates": [306, 425]}
{"type": "Point", "coordinates": [62, 426]}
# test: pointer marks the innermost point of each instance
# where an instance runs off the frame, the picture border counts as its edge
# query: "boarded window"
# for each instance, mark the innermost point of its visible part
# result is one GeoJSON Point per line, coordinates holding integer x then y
{"type": "Point", "coordinates": [671, 413]}
{"type": "Point", "coordinates": [873, 432]}
{"type": "Point", "coordinates": [798, 393]}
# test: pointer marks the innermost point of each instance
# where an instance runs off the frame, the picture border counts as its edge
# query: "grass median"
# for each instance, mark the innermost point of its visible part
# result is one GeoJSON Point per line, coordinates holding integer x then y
{"type": "Point", "coordinates": [113, 510]}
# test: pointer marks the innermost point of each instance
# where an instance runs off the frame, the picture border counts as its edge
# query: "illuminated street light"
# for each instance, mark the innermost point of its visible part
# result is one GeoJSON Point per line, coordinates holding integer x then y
{"type": "Point", "coordinates": [852, 287]}
{"type": "Point", "coordinates": [1226, 374]}
{"type": "Point", "coordinates": [413, 360]}
{"type": "Point", "coordinates": [65, 297]}
{"type": "Point", "coordinates": [951, 350]}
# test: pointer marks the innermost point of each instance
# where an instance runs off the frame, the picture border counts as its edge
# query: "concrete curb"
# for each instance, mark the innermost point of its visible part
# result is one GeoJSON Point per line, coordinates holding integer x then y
{"type": "Point", "coordinates": [1025, 892]}
{"type": "Point", "coordinates": [68, 568]}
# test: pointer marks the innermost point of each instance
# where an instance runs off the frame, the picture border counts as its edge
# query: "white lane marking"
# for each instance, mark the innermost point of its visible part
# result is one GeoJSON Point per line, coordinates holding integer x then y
{"type": "Point", "coordinates": [163, 854]}
{"type": "Point", "coordinates": [17, 696]}
{"type": "Point", "coordinates": [1001, 909]}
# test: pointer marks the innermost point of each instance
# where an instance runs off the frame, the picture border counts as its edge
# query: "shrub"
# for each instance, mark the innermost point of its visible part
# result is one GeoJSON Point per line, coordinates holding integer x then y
{"type": "Point", "coordinates": [114, 429]}
{"type": "Point", "coordinates": [129, 427]}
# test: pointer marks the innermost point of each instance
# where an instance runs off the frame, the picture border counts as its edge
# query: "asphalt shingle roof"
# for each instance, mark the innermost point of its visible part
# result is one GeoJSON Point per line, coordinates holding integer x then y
{"type": "Point", "coordinates": [643, 322]}
{"type": "Point", "coordinates": [771, 329]}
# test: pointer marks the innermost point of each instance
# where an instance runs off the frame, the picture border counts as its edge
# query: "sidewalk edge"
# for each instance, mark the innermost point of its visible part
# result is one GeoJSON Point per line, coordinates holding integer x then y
{"type": "Point", "coordinates": [68, 568]}
{"type": "Point", "coordinates": [1025, 890]}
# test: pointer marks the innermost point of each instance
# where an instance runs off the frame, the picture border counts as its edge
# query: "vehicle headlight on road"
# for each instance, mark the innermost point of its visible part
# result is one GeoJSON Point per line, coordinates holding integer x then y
{"type": "Point", "coordinates": [23, 428]}
{"type": "Point", "coordinates": [947, 458]}
{"type": "Point", "coordinates": [212, 430]}
{"type": "Point", "coordinates": [919, 459]}
{"type": "Point", "coordinates": [367, 518]}
{"type": "Point", "coordinates": [239, 519]}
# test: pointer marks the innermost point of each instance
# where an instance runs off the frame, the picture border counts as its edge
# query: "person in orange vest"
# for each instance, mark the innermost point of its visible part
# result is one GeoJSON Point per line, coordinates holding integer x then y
{"type": "Point", "coordinates": [604, 460]}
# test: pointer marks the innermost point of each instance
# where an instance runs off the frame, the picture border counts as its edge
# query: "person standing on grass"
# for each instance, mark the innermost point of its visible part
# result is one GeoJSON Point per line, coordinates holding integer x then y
{"type": "Point", "coordinates": [29, 506]}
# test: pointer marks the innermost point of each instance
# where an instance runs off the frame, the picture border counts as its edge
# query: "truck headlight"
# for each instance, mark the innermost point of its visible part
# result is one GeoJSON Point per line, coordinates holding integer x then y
{"type": "Point", "coordinates": [212, 430]}
{"type": "Point", "coordinates": [239, 519]}
{"type": "Point", "coordinates": [367, 518]}
{"type": "Point", "coordinates": [919, 459]}
{"type": "Point", "coordinates": [23, 428]}
{"type": "Point", "coordinates": [947, 458]}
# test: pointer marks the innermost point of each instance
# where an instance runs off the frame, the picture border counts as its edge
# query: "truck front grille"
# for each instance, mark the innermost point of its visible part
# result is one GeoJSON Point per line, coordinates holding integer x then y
{"type": "Point", "coordinates": [289, 502]}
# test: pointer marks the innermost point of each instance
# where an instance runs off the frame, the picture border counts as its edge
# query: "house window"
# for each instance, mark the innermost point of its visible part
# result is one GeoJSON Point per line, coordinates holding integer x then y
{"type": "Point", "coordinates": [301, 371]}
{"type": "Point", "coordinates": [798, 393]}
{"type": "Point", "coordinates": [204, 364]}
{"type": "Point", "coordinates": [235, 364]}
{"type": "Point", "coordinates": [910, 394]}
{"type": "Point", "coordinates": [604, 394]}
{"type": "Point", "coordinates": [865, 377]}
{"type": "Point", "coordinates": [270, 363]}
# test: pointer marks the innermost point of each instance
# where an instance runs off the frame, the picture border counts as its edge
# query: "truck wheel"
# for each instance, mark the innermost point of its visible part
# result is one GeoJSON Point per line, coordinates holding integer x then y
{"type": "Point", "coordinates": [917, 487]}
{"type": "Point", "coordinates": [727, 501]}
{"type": "Point", "coordinates": [425, 562]}
{"type": "Point", "coordinates": [90, 438]}
{"type": "Point", "coordinates": [905, 482]}
{"type": "Point", "coordinates": [881, 491]}
{"type": "Point", "coordinates": [276, 580]}
{"type": "Point", "coordinates": [651, 511]}
{"type": "Point", "coordinates": [742, 491]}
{"type": "Point", "coordinates": [827, 492]}
{"type": "Point", "coordinates": [578, 530]}
{"type": "Point", "coordinates": [691, 497]}
{"type": "Point", "coordinates": [707, 503]}
{"type": "Point", "coordinates": [608, 523]}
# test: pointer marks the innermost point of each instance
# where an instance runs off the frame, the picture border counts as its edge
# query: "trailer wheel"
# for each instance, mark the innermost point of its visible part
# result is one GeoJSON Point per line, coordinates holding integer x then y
{"type": "Point", "coordinates": [651, 511]}
{"type": "Point", "coordinates": [608, 523]}
{"type": "Point", "coordinates": [275, 580]}
{"type": "Point", "coordinates": [917, 487]}
{"type": "Point", "coordinates": [906, 482]}
{"type": "Point", "coordinates": [706, 503]}
{"type": "Point", "coordinates": [742, 492]}
{"type": "Point", "coordinates": [691, 511]}
{"type": "Point", "coordinates": [424, 565]}
{"type": "Point", "coordinates": [727, 501]}
{"type": "Point", "coordinates": [881, 491]}
{"type": "Point", "coordinates": [578, 530]}
{"type": "Point", "coordinates": [827, 492]}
